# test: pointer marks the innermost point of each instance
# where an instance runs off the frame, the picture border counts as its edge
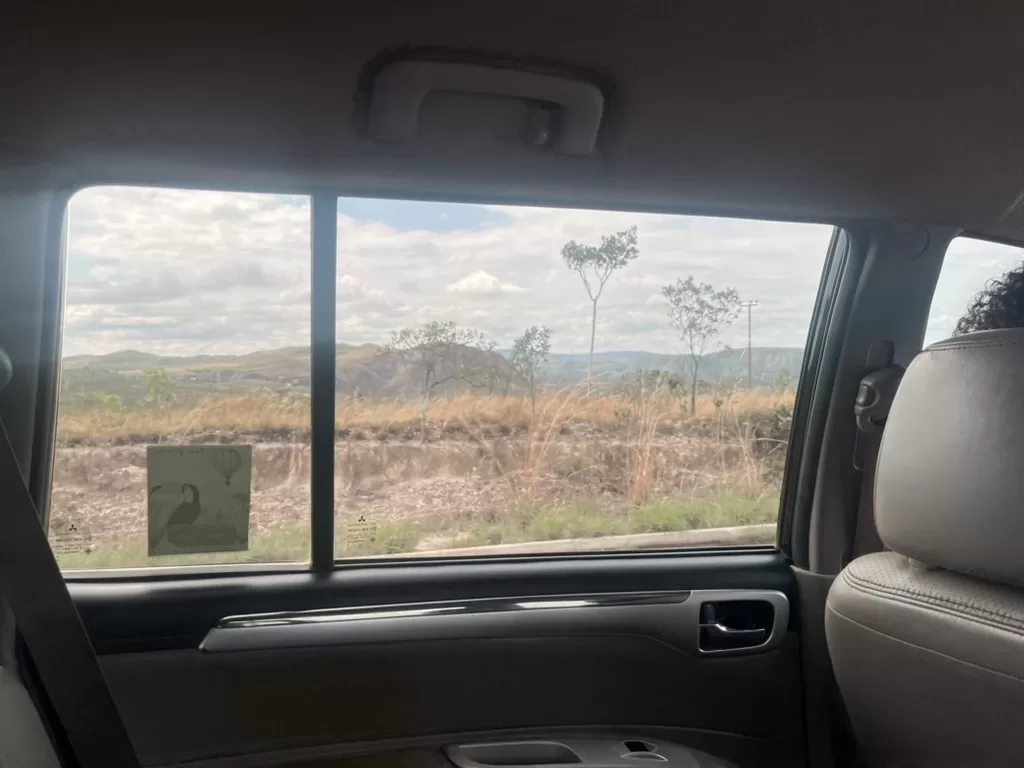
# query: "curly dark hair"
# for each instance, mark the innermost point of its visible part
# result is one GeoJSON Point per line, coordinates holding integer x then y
{"type": "Point", "coordinates": [999, 305]}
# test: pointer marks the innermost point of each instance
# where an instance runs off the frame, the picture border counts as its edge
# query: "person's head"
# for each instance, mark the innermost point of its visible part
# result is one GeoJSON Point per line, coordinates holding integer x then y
{"type": "Point", "coordinates": [999, 305]}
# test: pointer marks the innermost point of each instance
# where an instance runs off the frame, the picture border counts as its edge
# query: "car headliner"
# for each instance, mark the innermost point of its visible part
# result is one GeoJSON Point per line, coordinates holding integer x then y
{"type": "Point", "coordinates": [794, 111]}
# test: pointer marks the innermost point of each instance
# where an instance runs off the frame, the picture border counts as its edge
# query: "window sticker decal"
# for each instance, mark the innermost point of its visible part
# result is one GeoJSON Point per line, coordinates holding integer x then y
{"type": "Point", "coordinates": [199, 498]}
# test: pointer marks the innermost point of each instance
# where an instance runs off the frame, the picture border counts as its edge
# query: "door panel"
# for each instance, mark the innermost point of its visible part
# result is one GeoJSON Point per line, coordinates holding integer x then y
{"type": "Point", "coordinates": [183, 705]}
{"type": "Point", "coordinates": [630, 666]}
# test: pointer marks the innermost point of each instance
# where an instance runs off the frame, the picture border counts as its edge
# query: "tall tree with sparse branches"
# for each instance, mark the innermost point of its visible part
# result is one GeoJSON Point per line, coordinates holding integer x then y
{"type": "Point", "coordinates": [595, 265]}
{"type": "Point", "coordinates": [529, 353]}
{"type": "Point", "coordinates": [697, 311]}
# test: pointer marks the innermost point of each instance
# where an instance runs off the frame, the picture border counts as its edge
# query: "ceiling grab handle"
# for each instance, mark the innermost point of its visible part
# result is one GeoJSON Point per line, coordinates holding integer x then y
{"type": "Point", "coordinates": [400, 88]}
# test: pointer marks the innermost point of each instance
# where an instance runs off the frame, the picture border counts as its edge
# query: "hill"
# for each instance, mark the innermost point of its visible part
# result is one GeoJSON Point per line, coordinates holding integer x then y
{"type": "Point", "coordinates": [128, 375]}
{"type": "Point", "coordinates": [769, 365]}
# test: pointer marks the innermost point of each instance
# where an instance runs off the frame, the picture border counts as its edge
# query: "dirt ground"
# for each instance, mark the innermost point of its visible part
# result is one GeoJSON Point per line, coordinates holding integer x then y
{"type": "Point", "coordinates": [434, 492]}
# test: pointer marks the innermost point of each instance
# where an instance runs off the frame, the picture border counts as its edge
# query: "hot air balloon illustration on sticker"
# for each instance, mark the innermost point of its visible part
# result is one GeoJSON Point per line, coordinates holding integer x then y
{"type": "Point", "coordinates": [227, 461]}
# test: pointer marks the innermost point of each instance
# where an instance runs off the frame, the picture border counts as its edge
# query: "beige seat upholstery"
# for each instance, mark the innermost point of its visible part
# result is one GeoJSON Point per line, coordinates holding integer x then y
{"type": "Point", "coordinates": [23, 739]}
{"type": "Point", "coordinates": [927, 640]}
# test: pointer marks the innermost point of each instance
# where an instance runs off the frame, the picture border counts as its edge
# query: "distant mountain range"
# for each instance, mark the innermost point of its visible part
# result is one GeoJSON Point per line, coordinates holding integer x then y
{"type": "Point", "coordinates": [364, 369]}
{"type": "Point", "coordinates": [769, 365]}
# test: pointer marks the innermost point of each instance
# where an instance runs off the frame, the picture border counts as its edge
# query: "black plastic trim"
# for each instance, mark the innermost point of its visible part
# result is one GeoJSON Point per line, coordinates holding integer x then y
{"type": "Point", "coordinates": [323, 382]}
{"type": "Point", "coordinates": [172, 574]}
{"type": "Point", "coordinates": [821, 361]}
{"type": "Point", "coordinates": [134, 615]}
{"type": "Point", "coordinates": [674, 617]}
{"type": "Point", "coordinates": [48, 375]}
{"type": "Point", "coordinates": [448, 620]}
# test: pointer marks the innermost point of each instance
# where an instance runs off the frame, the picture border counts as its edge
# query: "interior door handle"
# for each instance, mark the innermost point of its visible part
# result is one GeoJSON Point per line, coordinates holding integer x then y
{"type": "Point", "coordinates": [720, 631]}
{"type": "Point", "coordinates": [738, 622]}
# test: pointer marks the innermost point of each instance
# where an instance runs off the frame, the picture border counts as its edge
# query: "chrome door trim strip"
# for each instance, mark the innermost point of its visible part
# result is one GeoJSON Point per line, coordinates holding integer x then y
{"type": "Point", "coordinates": [671, 616]}
{"type": "Point", "coordinates": [329, 625]}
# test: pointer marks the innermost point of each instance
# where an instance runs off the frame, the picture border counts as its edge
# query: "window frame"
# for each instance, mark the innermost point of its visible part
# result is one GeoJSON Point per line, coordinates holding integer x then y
{"type": "Point", "coordinates": [323, 558]}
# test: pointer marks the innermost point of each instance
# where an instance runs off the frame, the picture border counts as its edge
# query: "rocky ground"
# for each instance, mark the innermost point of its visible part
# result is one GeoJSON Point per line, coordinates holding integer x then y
{"type": "Point", "coordinates": [434, 492]}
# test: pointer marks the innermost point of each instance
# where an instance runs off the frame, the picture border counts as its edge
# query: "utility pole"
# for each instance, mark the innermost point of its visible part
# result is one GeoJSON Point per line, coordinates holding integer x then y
{"type": "Point", "coordinates": [748, 305]}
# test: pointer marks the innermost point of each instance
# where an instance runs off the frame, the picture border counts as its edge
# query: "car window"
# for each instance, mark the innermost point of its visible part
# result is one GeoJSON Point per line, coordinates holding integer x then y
{"type": "Point", "coordinates": [535, 380]}
{"type": "Point", "coordinates": [509, 380]}
{"type": "Point", "coordinates": [184, 384]}
{"type": "Point", "coordinates": [969, 265]}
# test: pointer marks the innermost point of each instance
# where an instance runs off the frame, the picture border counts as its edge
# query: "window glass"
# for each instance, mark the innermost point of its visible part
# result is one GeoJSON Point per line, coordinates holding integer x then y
{"type": "Point", "coordinates": [183, 421]}
{"type": "Point", "coordinates": [509, 380]}
{"type": "Point", "coordinates": [970, 264]}
{"type": "Point", "coordinates": [532, 380]}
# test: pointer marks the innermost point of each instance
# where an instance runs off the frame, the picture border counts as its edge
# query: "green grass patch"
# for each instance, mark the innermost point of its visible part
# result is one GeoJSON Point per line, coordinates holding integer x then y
{"type": "Point", "coordinates": [584, 519]}
{"type": "Point", "coordinates": [720, 510]}
{"type": "Point", "coordinates": [284, 545]}
{"type": "Point", "coordinates": [531, 522]}
{"type": "Point", "coordinates": [388, 539]}
{"type": "Point", "coordinates": [580, 519]}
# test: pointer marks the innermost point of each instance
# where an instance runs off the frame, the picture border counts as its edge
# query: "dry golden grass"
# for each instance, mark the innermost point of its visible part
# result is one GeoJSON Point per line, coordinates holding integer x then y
{"type": "Point", "coordinates": [577, 466]}
{"type": "Point", "coordinates": [257, 413]}
{"type": "Point", "coordinates": [245, 413]}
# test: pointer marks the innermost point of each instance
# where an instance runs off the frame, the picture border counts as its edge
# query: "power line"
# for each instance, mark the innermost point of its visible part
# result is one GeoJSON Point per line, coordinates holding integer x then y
{"type": "Point", "coordinates": [749, 305]}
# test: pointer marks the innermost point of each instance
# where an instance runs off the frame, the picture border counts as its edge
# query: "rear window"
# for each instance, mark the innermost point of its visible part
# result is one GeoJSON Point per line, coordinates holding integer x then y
{"type": "Point", "coordinates": [509, 380]}
{"type": "Point", "coordinates": [969, 268]}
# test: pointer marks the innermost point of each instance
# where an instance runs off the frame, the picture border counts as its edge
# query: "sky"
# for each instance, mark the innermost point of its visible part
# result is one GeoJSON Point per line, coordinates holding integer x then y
{"type": "Point", "coordinates": [183, 272]}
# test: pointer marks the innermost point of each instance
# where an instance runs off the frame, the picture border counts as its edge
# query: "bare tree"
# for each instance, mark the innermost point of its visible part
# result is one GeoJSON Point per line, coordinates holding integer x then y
{"type": "Point", "coordinates": [487, 373]}
{"type": "Point", "coordinates": [529, 353]}
{"type": "Point", "coordinates": [697, 311]}
{"type": "Point", "coordinates": [442, 351]}
{"type": "Point", "coordinates": [595, 266]}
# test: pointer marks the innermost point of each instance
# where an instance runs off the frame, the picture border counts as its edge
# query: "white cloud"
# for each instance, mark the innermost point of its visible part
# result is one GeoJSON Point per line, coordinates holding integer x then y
{"type": "Point", "coordinates": [185, 272]}
{"type": "Point", "coordinates": [179, 272]}
{"type": "Point", "coordinates": [482, 282]}
{"type": "Point", "coordinates": [350, 287]}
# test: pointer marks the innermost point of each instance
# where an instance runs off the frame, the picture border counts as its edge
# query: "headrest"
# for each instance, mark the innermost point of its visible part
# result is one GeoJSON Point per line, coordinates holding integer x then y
{"type": "Point", "coordinates": [949, 487]}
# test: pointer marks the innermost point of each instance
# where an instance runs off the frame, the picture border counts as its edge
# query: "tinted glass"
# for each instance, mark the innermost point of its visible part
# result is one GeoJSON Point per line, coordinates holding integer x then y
{"type": "Point", "coordinates": [472, 417]}
{"type": "Point", "coordinates": [183, 422]}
